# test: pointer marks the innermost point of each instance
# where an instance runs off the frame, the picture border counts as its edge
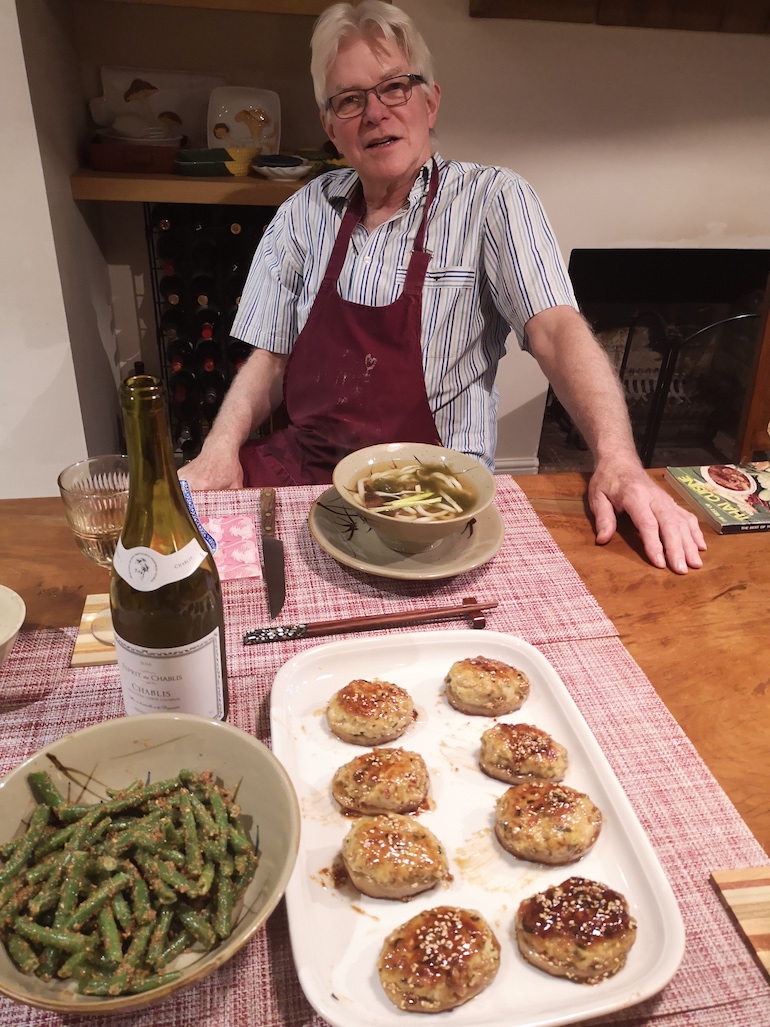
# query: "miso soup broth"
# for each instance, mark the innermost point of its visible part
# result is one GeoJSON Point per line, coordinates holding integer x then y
{"type": "Point", "coordinates": [428, 492]}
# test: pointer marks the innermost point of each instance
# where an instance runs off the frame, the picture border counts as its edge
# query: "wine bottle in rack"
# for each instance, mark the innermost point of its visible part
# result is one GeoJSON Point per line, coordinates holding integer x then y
{"type": "Point", "coordinates": [204, 290]}
{"type": "Point", "coordinates": [179, 355]}
{"type": "Point", "coordinates": [188, 439]}
{"type": "Point", "coordinates": [213, 387]}
{"type": "Point", "coordinates": [171, 288]}
{"type": "Point", "coordinates": [206, 322]}
{"type": "Point", "coordinates": [184, 395]}
{"type": "Point", "coordinates": [203, 257]}
{"type": "Point", "coordinates": [165, 593]}
{"type": "Point", "coordinates": [170, 252]}
{"type": "Point", "coordinates": [166, 216]}
{"type": "Point", "coordinates": [238, 353]}
{"type": "Point", "coordinates": [207, 355]}
{"type": "Point", "coordinates": [173, 325]}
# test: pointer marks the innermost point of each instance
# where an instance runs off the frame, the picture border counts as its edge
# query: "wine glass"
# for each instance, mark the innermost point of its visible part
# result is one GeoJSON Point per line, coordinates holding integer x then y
{"type": "Point", "coordinates": [95, 494]}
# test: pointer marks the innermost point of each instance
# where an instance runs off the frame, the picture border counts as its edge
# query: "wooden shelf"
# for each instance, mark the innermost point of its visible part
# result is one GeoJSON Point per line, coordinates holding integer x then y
{"type": "Point", "coordinates": [133, 188]}
{"type": "Point", "coordinates": [751, 16]}
{"type": "Point", "coordinates": [311, 7]}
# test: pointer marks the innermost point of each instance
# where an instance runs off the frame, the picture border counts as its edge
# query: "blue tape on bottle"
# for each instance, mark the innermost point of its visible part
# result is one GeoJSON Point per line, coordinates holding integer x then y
{"type": "Point", "coordinates": [210, 541]}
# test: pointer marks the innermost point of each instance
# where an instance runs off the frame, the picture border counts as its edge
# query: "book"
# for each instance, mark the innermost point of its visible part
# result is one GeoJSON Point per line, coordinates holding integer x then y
{"type": "Point", "coordinates": [732, 498]}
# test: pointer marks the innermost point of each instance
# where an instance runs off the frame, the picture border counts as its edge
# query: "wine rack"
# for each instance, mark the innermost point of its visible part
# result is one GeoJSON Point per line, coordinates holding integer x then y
{"type": "Point", "coordinates": [199, 258]}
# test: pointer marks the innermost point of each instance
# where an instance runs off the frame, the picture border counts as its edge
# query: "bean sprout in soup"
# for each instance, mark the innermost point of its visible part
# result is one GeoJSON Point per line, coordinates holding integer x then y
{"type": "Point", "coordinates": [427, 492]}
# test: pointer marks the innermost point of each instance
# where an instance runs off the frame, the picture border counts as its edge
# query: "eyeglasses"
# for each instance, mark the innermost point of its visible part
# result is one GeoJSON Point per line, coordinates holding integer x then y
{"type": "Point", "coordinates": [393, 92]}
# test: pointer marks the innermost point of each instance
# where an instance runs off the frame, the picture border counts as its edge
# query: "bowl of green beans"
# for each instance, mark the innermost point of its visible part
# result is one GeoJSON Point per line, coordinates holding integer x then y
{"type": "Point", "coordinates": [136, 857]}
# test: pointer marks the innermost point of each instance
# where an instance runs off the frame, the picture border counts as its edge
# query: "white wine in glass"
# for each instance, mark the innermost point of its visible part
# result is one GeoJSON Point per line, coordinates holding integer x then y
{"type": "Point", "coordinates": [95, 494]}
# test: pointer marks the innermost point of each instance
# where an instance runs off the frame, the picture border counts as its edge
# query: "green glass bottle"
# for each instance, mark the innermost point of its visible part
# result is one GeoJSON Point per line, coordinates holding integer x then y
{"type": "Point", "coordinates": [165, 592]}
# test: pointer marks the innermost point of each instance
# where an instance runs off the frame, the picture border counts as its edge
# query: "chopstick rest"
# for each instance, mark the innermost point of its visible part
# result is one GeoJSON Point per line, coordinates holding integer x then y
{"type": "Point", "coordinates": [287, 632]}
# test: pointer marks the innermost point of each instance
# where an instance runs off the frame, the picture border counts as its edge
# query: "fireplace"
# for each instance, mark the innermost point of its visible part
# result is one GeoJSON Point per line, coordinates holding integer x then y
{"type": "Point", "coordinates": [683, 329]}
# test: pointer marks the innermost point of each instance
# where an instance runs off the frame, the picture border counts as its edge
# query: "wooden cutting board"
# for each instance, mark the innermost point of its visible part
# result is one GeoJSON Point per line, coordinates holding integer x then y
{"type": "Point", "coordinates": [89, 651]}
{"type": "Point", "coordinates": [746, 896]}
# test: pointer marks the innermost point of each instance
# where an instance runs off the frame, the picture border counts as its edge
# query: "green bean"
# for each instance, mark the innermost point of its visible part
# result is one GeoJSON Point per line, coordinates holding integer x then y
{"type": "Point", "coordinates": [73, 883]}
{"type": "Point", "coordinates": [108, 929]}
{"type": "Point", "coordinates": [49, 894]}
{"type": "Point", "coordinates": [17, 902]}
{"type": "Point", "coordinates": [225, 901]}
{"type": "Point", "coordinates": [196, 925]}
{"type": "Point", "coordinates": [58, 937]}
{"type": "Point", "coordinates": [182, 942]}
{"type": "Point", "coordinates": [202, 816]}
{"type": "Point", "coordinates": [74, 966]}
{"type": "Point", "coordinates": [22, 953]}
{"type": "Point", "coordinates": [153, 981]}
{"type": "Point", "coordinates": [54, 841]}
{"type": "Point", "coordinates": [149, 867]}
{"type": "Point", "coordinates": [48, 865]}
{"type": "Point", "coordinates": [122, 912]}
{"type": "Point", "coordinates": [90, 906]}
{"type": "Point", "coordinates": [239, 840]}
{"type": "Point", "coordinates": [190, 832]}
{"type": "Point", "coordinates": [143, 911]}
{"type": "Point", "coordinates": [205, 880]}
{"type": "Point", "coordinates": [45, 790]}
{"type": "Point", "coordinates": [84, 827]}
{"type": "Point", "coordinates": [21, 854]}
{"type": "Point", "coordinates": [159, 935]}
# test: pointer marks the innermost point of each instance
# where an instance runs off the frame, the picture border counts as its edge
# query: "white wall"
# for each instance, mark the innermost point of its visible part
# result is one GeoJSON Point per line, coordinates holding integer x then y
{"type": "Point", "coordinates": [40, 422]}
{"type": "Point", "coordinates": [631, 137]}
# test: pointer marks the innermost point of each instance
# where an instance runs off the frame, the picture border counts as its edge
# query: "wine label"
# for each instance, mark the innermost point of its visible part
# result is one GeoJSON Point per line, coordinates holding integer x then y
{"type": "Point", "coordinates": [145, 570]}
{"type": "Point", "coordinates": [183, 679]}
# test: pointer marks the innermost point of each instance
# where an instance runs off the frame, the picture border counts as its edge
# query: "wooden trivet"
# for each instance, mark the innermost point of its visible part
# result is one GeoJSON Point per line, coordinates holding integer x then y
{"type": "Point", "coordinates": [89, 651]}
{"type": "Point", "coordinates": [746, 896]}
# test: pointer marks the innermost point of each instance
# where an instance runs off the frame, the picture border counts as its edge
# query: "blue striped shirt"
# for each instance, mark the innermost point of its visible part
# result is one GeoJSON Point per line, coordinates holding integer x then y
{"type": "Point", "coordinates": [495, 263]}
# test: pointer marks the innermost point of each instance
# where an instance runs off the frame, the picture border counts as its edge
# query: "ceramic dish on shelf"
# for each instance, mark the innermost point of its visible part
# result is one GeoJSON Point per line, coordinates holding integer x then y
{"type": "Point", "coordinates": [340, 977]}
{"type": "Point", "coordinates": [174, 101]}
{"type": "Point", "coordinates": [246, 117]}
{"type": "Point", "coordinates": [292, 173]}
{"type": "Point", "coordinates": [349, 540]}
{"type": "Point", "coordinates": [214, 163]}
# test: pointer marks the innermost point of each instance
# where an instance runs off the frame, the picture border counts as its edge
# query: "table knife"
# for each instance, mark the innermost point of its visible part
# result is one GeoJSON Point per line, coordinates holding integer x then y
{"type": "Point", "coordinates": [272, 553]}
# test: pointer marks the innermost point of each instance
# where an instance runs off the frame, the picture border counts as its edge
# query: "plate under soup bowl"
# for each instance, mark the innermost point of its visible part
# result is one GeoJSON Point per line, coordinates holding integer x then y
{"type": "Point", "coordinates": [414, 495]}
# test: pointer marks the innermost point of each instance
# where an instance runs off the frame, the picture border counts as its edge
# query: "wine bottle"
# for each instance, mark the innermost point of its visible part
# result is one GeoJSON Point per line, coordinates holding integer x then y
{"type": "Point", "coordinates": [165, 593]}
{"type": "Point", "coordinates": [213, 387]}
{"type": "Point", "coordinates": [204, 290]}
{"type": "Point", "coordinates": [173, 325]}
{"type": "Point", "coordinates": [188, 439]}
{"type": "Point", "coordinates": [207, 355]}
{"type": "Point", "coordinates": [179, 355]}
{"type": "Point", "coordinates": [170, 252]}
{"type": "Point", "coordinates": [238, 353]}
{"type": "Point", "coordinates": [171, 288]}
{"type": "Point", "coordinates": [165, 217]}
{"type": "Point", "coordinates": [206, 322]}
{"type": "Point", "coordinates": [184, 394]}
{"type": "Point", "coordinates": [203, 257]}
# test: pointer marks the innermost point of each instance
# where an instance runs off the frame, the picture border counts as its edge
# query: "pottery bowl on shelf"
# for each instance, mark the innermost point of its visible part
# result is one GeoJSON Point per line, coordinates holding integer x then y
{"type": "Point", "coordinates": [150, 748]}
{"type": "Point", "coordinates": [12, 614]}
{"type": "Point", "coordinates": [400, 506]}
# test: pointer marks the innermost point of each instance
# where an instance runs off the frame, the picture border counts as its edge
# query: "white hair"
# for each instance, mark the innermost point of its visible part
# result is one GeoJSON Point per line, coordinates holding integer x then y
{"type": "Point", "coordinates": [373, 21]}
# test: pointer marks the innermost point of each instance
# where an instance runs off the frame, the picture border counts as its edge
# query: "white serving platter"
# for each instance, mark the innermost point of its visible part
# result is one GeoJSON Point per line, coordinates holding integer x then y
{"type": "Point", "coordinates": [337, 934]}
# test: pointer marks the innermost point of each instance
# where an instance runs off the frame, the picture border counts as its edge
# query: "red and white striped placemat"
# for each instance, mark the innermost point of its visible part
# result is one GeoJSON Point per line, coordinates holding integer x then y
{"type": "Point", "coordinates": [690, 821]}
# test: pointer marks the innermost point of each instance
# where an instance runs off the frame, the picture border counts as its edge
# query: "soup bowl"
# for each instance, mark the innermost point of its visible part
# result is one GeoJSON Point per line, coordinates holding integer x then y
{"type": "Point", "coordinates": [403, 529]}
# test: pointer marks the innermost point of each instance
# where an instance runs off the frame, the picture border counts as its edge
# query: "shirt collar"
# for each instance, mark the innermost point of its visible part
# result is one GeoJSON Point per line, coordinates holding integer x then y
{"type": "Point", "coordinates": [341, 186]}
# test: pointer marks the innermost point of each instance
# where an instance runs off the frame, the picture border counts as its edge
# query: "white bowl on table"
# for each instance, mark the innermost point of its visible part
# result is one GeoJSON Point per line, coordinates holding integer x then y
{"type": "Point", "coordinates": [414, 536]}
{"type": "Point", "coordinates": [154, 747]}
{"type": "Point", "coordinates": [12, 614]}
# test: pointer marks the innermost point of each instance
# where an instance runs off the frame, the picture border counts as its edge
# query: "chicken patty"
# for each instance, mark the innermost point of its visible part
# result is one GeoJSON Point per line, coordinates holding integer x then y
{"type": "Point", "coordinates": [579, 929]}
{"type": "Point", "coordinates": [521, 752]}
{"type": "Point", "coordinates": [439, 959]}
{"type": "Point", "coordinates": [370, 712]}
{"type": "Point", "coordinates": [382, 781]}
{"type": "Point", "coordinates": [393, 857]}
{"type": "Point", "coordinates": [487, 688]}
{"type": "Point", "coordinates": [546, 823]}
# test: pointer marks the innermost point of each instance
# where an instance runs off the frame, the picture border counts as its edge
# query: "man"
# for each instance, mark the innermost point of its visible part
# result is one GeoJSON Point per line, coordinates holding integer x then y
{"type": "Point", "coordinates": [380, 299]}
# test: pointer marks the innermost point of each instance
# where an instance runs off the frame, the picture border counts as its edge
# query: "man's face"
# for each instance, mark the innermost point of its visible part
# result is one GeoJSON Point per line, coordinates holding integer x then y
{"type": "Point", "coordinates": [386, 145]}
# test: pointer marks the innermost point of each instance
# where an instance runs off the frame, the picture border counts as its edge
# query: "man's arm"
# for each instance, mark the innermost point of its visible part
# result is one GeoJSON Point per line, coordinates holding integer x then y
{"type": "Point", "coordinates": [588, 388]}
{"type": "Point", "coordinates": [254, 394]}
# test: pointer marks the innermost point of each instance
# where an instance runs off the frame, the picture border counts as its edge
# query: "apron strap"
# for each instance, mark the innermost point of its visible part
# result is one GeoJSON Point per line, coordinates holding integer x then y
{"type": "Point", "coordinates": [353, 215]}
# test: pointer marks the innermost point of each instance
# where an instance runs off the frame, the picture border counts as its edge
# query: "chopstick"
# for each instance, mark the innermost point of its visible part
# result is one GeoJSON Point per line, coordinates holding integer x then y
{"type": "Point", "coordinates": [377, 620]}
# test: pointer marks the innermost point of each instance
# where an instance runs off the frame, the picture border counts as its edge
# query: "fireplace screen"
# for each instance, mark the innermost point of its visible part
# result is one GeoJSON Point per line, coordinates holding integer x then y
{"type": "Point", "coordinates": [682, 329]}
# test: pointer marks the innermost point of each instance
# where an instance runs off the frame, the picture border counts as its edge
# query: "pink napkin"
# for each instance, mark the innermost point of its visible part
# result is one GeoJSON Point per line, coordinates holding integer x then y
{"type": "Point", "coordinates": [237, 554]}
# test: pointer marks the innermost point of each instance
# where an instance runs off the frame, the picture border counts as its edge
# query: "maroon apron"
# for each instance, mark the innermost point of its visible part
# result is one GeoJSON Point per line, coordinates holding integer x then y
{"type": "Point", "coordinates": [354, 377]}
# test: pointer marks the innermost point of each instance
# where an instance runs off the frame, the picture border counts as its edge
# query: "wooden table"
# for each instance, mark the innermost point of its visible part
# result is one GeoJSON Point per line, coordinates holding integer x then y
{"type": "Point", "coordinates": [699, 638]}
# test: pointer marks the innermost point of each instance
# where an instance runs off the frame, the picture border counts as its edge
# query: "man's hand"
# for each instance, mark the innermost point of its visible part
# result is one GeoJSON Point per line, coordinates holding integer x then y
{"type": "Point", "coordinates": [213, 470]}
{"type": "Point", "coordinates": [669, 533]}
